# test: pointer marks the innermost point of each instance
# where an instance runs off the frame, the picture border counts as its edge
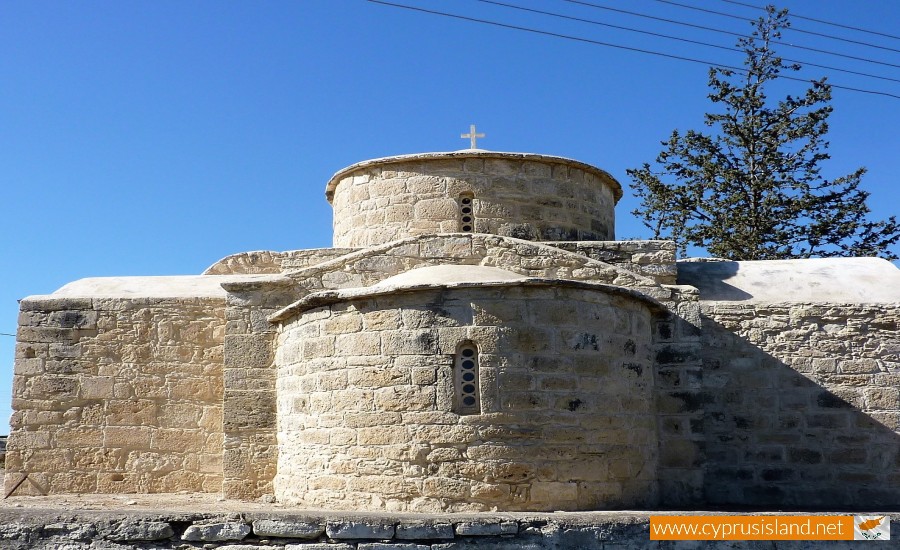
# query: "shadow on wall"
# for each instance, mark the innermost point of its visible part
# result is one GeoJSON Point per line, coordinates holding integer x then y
{"type": "Point", "coordinates": [816, 434]}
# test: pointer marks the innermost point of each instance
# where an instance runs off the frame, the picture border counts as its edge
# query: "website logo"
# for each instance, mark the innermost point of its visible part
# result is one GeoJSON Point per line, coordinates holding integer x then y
{"type": "Point", "coordinates": [871, 528]}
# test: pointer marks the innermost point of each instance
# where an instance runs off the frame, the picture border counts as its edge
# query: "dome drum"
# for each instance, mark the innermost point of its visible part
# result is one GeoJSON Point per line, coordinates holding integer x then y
{"type": "Point", "coordinates": [534, 197]}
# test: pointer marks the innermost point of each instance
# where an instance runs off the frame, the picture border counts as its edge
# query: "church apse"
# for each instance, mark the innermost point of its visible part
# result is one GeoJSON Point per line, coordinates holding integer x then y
{"type": "Point", "coordinates": [371, 417]}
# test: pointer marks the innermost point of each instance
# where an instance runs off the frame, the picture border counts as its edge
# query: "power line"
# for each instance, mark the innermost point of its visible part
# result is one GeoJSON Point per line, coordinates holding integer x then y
{"type": "Point", "coordinates": [593, 22]}
{"type": "Point", "coordinates": [702, 9]}
{"type": "Point", "coordinates": [823, 35]}
{"type": "Point", "coordinates": [548, 33]}
{"type": "Point", "coordinates": [822, 21]}
{"type": "Point", "coordinates": [720, 31]}
{"type": "Point", "coordinates": [7, 334]}
{"type": "Point", "coordinates": [618, 46]}
{"type": "Point", "coordinates": [670, 37]}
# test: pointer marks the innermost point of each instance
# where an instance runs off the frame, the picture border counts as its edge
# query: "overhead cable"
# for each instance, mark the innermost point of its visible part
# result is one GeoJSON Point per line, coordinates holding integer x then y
{"type": "Point", "coordinates": [832, 37]}
{"type": "Point", "coordinates": [721, 31]}
{"type": "Point", "coordinates": [707, 44]}
{"type": "Point", "coordinates": [822, 21]}
{"type": "Point", "coordinates": [618, 46]}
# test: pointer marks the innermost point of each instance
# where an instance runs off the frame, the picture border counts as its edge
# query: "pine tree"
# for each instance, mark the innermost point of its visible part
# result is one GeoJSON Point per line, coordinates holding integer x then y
{"type": "Point", "coordinates": [752, 190]}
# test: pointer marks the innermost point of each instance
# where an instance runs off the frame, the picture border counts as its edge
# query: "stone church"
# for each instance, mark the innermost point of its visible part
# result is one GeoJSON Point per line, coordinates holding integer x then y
{"type": "Point", "coordinates": [475, 340]}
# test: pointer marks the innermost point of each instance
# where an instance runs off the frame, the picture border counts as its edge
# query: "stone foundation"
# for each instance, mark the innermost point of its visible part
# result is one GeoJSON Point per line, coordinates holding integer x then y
{"type": "Point", "coordinates": [252, 528]}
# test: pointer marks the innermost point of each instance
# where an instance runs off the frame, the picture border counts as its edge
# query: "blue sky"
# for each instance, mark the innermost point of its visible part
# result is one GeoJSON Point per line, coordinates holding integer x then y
{"type": "Point", "coordinates": [153, 138]}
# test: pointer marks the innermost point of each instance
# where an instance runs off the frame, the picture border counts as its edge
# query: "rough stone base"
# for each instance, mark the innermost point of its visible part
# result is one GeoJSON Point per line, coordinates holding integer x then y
{"type": "Point", "coordinates": [28, 526]}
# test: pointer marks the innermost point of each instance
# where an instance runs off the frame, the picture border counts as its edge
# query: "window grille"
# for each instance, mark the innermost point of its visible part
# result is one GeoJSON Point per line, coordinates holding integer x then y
{"type": "Point", "coordinates": [466, 214]}
{"type": "Point", "coordinates": [466, 378]}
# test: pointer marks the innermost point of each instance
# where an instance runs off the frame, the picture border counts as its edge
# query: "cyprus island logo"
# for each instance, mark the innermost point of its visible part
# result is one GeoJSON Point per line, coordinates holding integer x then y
{"type": "Point", "coordinates": [871, 528]}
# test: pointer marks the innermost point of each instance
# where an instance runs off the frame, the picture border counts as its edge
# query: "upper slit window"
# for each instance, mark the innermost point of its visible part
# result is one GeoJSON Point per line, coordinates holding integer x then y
{"type": "Point", "coordinates": [466, 213]}
{"type": "Point", "coordinates": [468, 400]}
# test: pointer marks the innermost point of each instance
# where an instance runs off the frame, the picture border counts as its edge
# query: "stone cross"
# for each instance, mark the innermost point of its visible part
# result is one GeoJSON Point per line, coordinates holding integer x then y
{"type": "Point", "coordinates": [472, 136]}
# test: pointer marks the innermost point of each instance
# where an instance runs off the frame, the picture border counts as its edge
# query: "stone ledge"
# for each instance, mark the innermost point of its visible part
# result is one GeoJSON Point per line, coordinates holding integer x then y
{"type": "Point", "coordinates": [25, 523]}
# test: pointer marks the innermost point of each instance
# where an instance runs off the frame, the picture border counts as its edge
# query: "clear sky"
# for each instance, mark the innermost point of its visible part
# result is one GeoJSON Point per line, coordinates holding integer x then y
{"type": "Point", "coordinates": [155, 137]}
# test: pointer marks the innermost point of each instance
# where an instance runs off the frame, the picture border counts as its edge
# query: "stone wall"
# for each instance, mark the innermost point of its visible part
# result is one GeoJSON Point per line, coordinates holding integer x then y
{"type": "Point", "coordinates": [250, 450]}
{"type": "Point", "coordinates": [255, 529]}
{"type": "Point", "coordinates": [368, 420]}
{"type": "Point", "coordinates": [272, 263]}
{"type": "Point", "coordinates": [117, 396]}
{"type": "Point", "coordinates": [803, 404]}
{"type": "Point", "coordinates": [367, 267]}
{"type": "Point", "coordinates": [525, 196]}
{"type": "Point", "coordinates": [680, 401]}
{"type": "Point", "coordinates": [652, 259]}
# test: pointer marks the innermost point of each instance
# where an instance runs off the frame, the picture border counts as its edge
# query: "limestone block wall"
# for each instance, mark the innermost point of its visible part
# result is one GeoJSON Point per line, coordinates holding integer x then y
{"type": "Point", "coordinates": [367, 267]}
{"type": "Point", "coordinates": [803, 404]}
{"type": "Point", "coordinates": [680, 401]}
{"type": "Point", "coordinates": [250, 449]}
{"type": "Point", "coordinates": [117, 396]}
{"type": "Point", "coordinates": [652, 259]}
{"type": "Point", "coordinates": [532, 197]}
{"type": "Point", "coordinates": [272, 263]}
{"type": "Point", "coordinates": [368, 418]}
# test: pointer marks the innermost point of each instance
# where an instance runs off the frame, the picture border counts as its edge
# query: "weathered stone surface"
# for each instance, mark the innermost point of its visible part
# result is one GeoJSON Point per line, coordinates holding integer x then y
{"type": "Point", "coordinates": [131, 531]}
{"type": "Point", "coordinates": [392, 546]}
{"type": "Point", "coordinates": [215, 532]}
{"type": "Point", "coordinates": [267, 261]}
{"type": "Point", "coordinates": [653, 259]}
{"type": "Point", "coordinates": [71, 531]}
{"type": "Point", "coordinates": [424, 531]}
{"type": "Point", "coordinates": [287, 529]}
{"type": "Point", "coordinates": [252, 351]}
{"type": "Point", "coordinates": [359, 530]}
{"type": "Point", "coordinates": [321, 546]}
{"type": "Point", "coordinates": [478, 529]}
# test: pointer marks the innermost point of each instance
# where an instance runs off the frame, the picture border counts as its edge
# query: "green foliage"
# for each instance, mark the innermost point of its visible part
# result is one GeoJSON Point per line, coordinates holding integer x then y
{"type": "Point", "coordinates": [752, 190]}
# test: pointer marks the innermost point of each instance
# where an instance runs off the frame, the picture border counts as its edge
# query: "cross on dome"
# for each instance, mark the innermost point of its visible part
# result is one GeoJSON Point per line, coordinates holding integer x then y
{"type": "Point", "coordinates": [472, 136]}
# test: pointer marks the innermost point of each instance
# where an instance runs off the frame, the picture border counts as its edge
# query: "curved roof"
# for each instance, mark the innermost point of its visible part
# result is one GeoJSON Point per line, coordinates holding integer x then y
{"type": "Point", "coordinates": [413, 284]}
{"type": "Point", "coordinates": [172, 286]}
{"type": "Point", "coordinates": [474, 153]}
{"type": "Point", "coordinates": [832, 280]}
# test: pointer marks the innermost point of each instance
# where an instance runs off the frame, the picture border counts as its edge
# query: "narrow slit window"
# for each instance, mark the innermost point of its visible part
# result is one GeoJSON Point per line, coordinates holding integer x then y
{"type": "Point", "coordinates": [466, 213]}
{"type": "Point", "coordinates": [468, 400]}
